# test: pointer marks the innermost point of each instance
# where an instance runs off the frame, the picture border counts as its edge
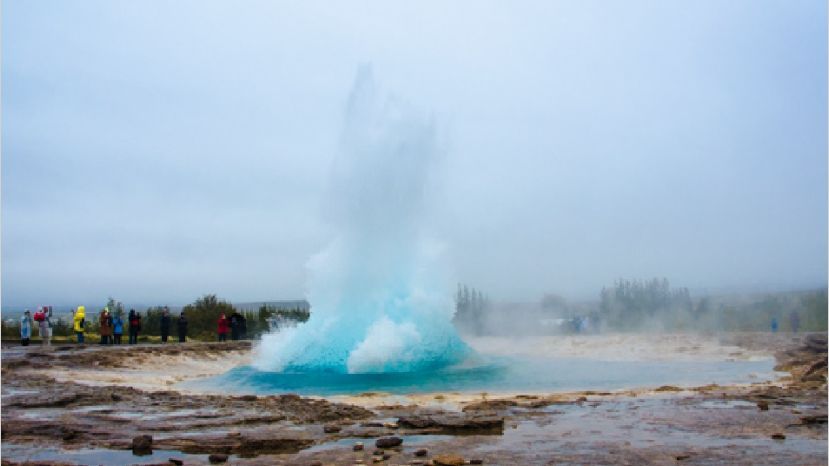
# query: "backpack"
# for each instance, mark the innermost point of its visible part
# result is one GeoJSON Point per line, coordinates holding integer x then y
{"type": "Point", "coordinates": [40, 316]}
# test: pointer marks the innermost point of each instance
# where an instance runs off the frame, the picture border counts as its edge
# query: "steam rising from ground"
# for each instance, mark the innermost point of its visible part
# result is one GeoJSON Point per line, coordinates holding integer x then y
{"type": "Point", "coordinates": [380, 299]}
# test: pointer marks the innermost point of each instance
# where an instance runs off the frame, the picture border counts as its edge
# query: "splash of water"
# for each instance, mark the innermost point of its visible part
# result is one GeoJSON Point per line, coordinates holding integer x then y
{"type": "Point", "coordinates": [379, 290]}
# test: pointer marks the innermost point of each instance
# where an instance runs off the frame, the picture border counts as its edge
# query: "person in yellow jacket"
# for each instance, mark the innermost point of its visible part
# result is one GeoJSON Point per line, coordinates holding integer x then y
{"type": "Point", "coordinates": [79, 322]}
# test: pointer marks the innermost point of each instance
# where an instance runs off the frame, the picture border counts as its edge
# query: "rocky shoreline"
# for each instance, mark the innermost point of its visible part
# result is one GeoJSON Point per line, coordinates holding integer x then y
{"type": "Point", "coordinates": [50, 417]}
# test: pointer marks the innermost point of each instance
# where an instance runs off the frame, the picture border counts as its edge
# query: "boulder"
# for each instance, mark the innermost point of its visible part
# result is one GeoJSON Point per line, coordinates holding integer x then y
{"type": "Point", "coordinates": [142, 445]}
{"type": "Point", "coordinates": [217, 458]}
{"type": "Point", "coordinates": [388, 442]}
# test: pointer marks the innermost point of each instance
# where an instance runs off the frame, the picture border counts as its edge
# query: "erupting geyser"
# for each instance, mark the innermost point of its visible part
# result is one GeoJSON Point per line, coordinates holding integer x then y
{"type": "Point", "coordinates": [381, 300]}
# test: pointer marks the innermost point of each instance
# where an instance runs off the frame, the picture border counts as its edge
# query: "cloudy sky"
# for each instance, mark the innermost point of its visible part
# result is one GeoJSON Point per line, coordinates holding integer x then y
{"type": "Point", "coordinates": [158, 150]}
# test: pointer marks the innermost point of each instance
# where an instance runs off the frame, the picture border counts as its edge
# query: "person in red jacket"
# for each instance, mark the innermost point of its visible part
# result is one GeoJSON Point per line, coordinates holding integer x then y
{"type": "Point", "coordinates": [223, 328]}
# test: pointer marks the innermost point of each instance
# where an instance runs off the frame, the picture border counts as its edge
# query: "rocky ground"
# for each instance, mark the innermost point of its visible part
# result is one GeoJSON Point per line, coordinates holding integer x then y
{"type": "Point", "coordinates": [80, 405]}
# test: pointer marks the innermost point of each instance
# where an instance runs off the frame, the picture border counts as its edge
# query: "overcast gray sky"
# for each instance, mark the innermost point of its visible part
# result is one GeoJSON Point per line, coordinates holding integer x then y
{"type": "Point", "coordinates": [158, 150]}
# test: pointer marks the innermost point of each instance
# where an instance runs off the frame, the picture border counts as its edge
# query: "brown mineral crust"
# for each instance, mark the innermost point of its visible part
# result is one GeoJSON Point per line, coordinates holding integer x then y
{"type": "Point", "coordinates": [279, 429]}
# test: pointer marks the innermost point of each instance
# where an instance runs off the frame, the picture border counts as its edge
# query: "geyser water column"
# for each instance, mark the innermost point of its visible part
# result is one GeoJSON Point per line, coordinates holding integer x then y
{"type": "Point", "coordinates": [380, 296]}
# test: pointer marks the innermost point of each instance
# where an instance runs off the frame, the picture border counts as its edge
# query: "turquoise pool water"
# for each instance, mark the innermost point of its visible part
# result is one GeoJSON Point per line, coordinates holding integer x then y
{"type": "Point", "coordinates": [498, 375]}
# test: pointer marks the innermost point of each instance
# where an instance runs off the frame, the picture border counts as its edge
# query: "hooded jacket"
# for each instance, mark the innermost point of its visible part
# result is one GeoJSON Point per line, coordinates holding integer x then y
{"type": "Point", "coordinates": [78, 319]}
{"type": "Point", "coordinates": [118, 325]}
{"type": "Point", "coordinates": [26, 326]}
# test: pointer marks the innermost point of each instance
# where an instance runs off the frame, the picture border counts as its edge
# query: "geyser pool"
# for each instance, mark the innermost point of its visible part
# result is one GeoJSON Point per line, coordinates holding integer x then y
{"type": "Point", "coordinates": [380, 294]}
{"type": "Point", "coordinates": [500, 375]}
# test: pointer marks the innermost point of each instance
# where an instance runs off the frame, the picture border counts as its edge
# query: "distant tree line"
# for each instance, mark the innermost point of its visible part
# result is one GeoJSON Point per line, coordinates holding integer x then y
{"type": "Point", "coordinates": [630, 304]}
{"type": "Point", "coordinates": [470, 307]}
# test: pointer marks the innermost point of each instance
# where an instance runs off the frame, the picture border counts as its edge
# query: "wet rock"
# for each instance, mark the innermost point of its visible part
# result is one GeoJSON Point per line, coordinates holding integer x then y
{"type": "Point", "coordinates": [331, 429]}
{"type": "Point", "coordinates": [68, 434]}
{"type": "Point", "coordinates": [272, 445]}
{"type": "Point", "coordinates": [176, 461]}
{"type": "Point", "coordinates": [217, 458]}
{"type": "Point", "coordinates": [46, 401]}
{"type": "Point", "coordinates": [682, 457]}
{"type": "Point", "coordinates": [448, 460]}
{"type": "Point", "coordinates": [454, 424]}
{"type": "Point", "coordinates": [142, 445]}
{"type": "Point", "coordinates": [763, 405]}
{"type": "Point", "coordinates": [388, 442]}
{"type": "Point", "coordinates": [490, 405]}
{"type": "Point", "coordinates": [421, 452]}
{"type": "Point", "coordinates": [358, 446]}
{"type": "Point", "coordinates": [378, 453]}
{"type": "Point", "coordinates": [811, 420]}
{"type": "Point", "coordinates": [372, 424]}
{"type": "Point", "coordinates": [315, 463]}
{"type": "Point", "coordinates": [668, 388]}
{"type": "Point", "coordinates": [386, 457]}
{"type": "Point", "coordinates": [476, 461]}
{"type": "Point", "coordinates": [778, 436]}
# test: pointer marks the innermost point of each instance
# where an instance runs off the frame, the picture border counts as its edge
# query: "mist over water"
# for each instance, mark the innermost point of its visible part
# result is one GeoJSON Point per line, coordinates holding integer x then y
{"type": "Point", "coordinates": [380, 293]}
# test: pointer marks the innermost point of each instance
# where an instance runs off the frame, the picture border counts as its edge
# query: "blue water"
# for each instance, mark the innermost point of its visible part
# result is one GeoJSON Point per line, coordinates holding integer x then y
{"type": "Point", "coordinates": [499, 375]}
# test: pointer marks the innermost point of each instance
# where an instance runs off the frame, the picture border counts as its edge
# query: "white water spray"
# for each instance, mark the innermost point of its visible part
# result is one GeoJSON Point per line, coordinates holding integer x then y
{"type": "Point", "coordinates": [380, 297]}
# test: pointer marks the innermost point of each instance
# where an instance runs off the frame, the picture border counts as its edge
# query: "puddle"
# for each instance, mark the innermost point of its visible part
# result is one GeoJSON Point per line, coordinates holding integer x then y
{"type": "Point", "coordinates": [728, 404]}
{"type": "Point", "coordinates": [654, 422]}
{"type": "Point", "coordinates": [28, 453]}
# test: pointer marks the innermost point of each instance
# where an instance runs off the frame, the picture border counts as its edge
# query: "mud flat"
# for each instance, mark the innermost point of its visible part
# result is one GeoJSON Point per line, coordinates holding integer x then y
{"type": "Point", "coordinates": [125, 405]}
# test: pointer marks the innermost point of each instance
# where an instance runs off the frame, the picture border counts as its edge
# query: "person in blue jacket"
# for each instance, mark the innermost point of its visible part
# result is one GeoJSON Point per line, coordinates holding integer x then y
{"type": "Point", "coordinates": [26, 325]}
{"type": "Point", "coordinates": [118, 327]}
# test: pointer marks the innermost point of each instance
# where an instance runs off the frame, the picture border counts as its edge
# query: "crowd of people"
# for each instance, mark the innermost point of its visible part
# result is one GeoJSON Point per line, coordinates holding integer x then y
{"type": "Point", "coordinates": [111, 326]}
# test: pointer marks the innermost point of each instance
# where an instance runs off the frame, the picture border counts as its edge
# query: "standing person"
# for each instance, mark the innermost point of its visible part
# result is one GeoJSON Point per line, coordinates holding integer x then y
{"type": "Point", "coordinates": [42, 316]}
{"type": "Point", "coordinates": [49, 330]}
{"type": "Point", "coordinates": [79, 322]}
{"type": "Point", "coordinates": [42, 325]}
{"type": "Point", "coordinates": [774, 325]}
{"type": "Point", "coordinates": [223, 324]}
{"type": "Point", "coordinates": [118, 326]}
{"type": "Point", "coordinates": [182, 328]}
{"type": "Point", "coordinates": [105, 326]}
{"type": "Point", "coordinates": [243, 327]}
{"type": "Point", "coordinates": [794, 320]}
{"type": "Point", "coordinates": [234, 325]}
{"type": "Point", "coordinates": [26, 328]}
{"type": "Point", "coordinates": [165, 324]}
{"type": "Point", "coordinates": [135, 326]}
